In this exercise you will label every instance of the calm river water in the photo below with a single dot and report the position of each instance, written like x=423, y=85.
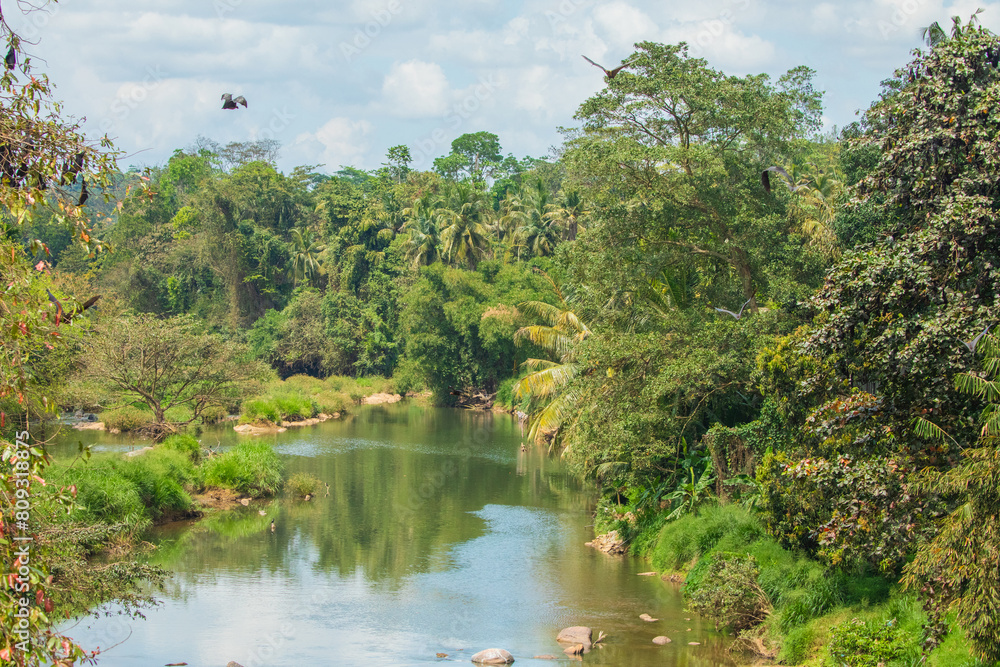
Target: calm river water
x=438, y=536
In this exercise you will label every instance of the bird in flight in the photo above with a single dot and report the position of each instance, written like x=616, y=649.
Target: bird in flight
x=62, y=315
x=230, y=103
x=735, y=315
x=11, y=60
x=610, y=73
x=971, y=344
x=765, y=180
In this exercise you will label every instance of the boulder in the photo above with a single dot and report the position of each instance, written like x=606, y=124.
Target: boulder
x=609, y=543
x=493, y=656
x=578, y=634
x=661, y=640
x=648, y=618
x=233, y=663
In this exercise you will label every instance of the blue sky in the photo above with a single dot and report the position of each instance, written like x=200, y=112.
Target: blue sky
x=338, y=83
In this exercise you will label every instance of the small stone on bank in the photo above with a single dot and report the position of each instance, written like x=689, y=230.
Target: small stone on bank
x=694, y=643
x=661, y=640
x=493, y=656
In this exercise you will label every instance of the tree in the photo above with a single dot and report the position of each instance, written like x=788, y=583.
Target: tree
x=305, y=249
x=461, y=222
x=473, y=154
x=956, y=571
x=45, y=162
x=672, y=152
x=168, y=364
x=548, y=386
x=422, y=238
x=535, y=220
x=398, y=162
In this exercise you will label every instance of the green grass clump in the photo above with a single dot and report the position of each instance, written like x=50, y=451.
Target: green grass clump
x=125, y=418
x=260, y=409
x=682, y=541
x=303, y=484
x=132, y=491
x=329, y=401
x=294, y=407
x=250, y=468
x=305, y=384
x=186, y=444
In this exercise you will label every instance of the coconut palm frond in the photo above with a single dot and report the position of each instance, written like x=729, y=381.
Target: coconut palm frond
x=545, y=383
x=539, y=364
x=547, y=312
x=990, y=419
x=550, y=339
x=552, y=416
x=569, y=321
x=928, y=429
x=973, y=384
x=610, y=470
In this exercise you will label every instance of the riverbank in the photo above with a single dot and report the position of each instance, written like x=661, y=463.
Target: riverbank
x=784, y=606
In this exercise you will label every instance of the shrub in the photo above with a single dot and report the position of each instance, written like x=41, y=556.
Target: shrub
x=858, y=643
x=305, y=384
x=126, y=418
x=303, y=484
x=213, y=414
x=249, y=468
x=729, y=593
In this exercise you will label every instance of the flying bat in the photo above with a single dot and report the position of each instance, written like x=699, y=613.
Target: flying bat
x=608, y=73
x=765, y=180
x=735, y=315
x=971, y=344
x=230, y=103
x=62, y=315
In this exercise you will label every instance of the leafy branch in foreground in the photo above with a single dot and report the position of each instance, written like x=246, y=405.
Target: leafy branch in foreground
x=956, y=571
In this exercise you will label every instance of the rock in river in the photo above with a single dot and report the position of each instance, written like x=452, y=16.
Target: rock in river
x=661, y=640
x=493, y=656
x=578, y=634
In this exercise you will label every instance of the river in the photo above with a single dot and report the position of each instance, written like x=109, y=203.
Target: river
x=438, y=536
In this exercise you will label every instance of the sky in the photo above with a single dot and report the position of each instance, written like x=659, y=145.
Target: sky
x=338, y=83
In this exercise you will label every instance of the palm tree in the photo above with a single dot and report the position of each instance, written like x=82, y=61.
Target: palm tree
x=569, y=211
x=305, y=264
x=464, y=235
x=548, y=387
x=537, y=220
x=422, y=237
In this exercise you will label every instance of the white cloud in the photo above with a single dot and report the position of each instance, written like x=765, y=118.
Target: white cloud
x=623, y=25
x=340, y=141
x=414, y=89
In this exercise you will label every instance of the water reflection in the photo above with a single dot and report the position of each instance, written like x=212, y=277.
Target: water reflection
x=439, y=535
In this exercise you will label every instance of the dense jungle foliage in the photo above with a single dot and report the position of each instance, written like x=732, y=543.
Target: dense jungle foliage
x=783, y=380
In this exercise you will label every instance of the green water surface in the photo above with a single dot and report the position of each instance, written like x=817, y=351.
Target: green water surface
x=438, y=536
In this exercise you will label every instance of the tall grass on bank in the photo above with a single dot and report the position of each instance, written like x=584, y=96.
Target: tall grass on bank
x=134, y=491
x=249, y=468
x=817, y=615
x=302, y=396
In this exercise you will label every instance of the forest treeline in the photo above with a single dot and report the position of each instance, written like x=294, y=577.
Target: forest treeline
x=690, y=325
